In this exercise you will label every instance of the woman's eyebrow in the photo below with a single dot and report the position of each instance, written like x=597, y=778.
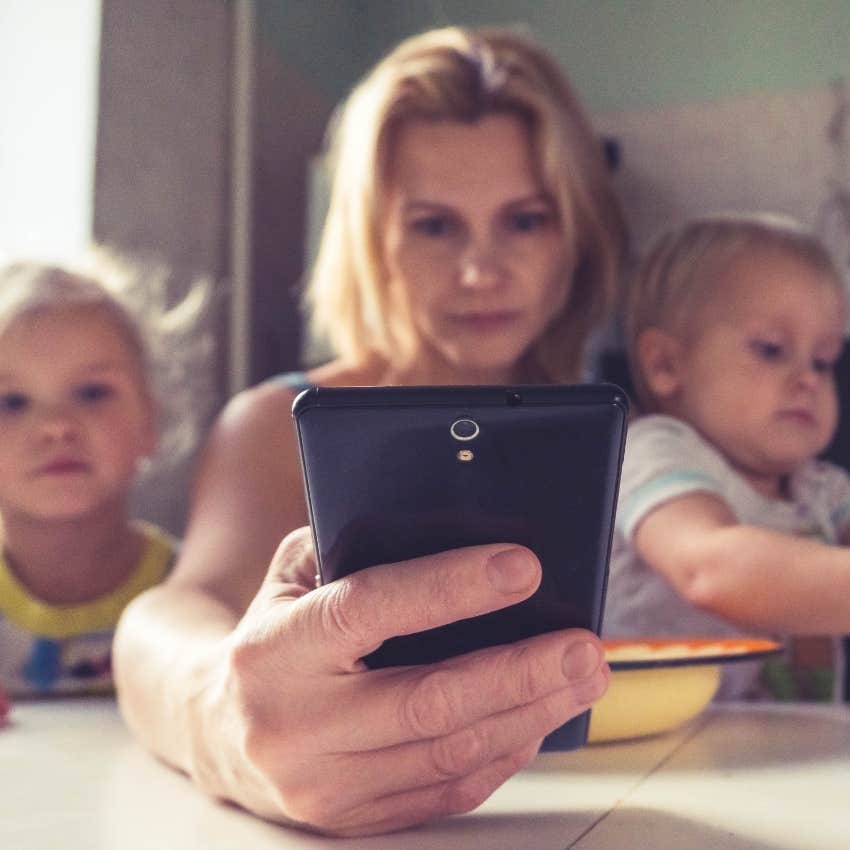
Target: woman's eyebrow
x=425, y=204
x=540, y=201
x=521, y=200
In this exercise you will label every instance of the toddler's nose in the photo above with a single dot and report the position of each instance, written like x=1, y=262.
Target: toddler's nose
x=807, y=375
x=58, y=424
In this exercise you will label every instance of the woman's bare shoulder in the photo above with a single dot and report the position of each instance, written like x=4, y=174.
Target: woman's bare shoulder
x=247, y=494
x=259, y=406
x=264, y=411
x=342, y=373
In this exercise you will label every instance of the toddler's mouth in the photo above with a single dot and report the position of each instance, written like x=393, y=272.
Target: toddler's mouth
x=799, y=415
x=63, y=466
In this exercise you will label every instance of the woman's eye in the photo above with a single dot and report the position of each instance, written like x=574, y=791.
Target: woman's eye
x=433, y=225
x=93, y=393
x=13, y=402
x=767, y=350
x=528, y=221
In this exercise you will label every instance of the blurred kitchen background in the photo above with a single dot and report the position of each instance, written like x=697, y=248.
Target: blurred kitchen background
x=192, y=129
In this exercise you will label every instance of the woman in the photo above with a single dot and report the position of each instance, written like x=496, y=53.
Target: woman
x=472, y=238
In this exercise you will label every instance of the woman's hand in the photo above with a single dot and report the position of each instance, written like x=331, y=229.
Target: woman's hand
x=295, y=728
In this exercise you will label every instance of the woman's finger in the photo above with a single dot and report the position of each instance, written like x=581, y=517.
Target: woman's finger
x=421, y=703
x=353, y=616
x=463, y=752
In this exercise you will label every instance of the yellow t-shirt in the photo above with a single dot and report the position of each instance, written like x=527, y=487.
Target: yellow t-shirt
x=66, y=649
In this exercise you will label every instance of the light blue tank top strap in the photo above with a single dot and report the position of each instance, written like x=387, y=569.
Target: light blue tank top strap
x=294, y=380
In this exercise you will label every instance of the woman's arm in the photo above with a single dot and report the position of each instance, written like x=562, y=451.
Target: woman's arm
x=753, y=576
x=246, y=496
x=267, y=703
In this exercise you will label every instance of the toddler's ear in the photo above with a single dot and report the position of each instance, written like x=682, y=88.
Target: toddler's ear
x=659, y=357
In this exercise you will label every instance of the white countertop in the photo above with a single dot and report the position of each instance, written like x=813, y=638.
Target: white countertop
x=738, y=777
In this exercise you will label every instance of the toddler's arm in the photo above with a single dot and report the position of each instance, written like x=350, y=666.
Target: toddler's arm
x=753, y=576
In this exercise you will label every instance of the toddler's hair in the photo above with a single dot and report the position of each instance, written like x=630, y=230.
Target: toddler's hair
x=680, y=270
x=172, y=341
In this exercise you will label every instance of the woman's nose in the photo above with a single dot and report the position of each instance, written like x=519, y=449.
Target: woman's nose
x=481, y=267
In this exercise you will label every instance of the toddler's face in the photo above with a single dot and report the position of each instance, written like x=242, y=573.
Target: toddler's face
x=75, y=414
x=757, y=378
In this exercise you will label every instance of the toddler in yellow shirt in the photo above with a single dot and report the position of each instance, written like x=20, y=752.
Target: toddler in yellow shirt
x=78, y=422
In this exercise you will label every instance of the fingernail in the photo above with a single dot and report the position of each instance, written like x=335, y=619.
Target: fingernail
x=581, y=660
x=512, y=570
x=588, y=691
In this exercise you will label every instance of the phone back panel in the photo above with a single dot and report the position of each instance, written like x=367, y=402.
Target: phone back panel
x=385, y=482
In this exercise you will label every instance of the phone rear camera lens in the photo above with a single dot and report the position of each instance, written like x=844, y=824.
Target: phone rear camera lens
x=514, y=399
x=464, y=429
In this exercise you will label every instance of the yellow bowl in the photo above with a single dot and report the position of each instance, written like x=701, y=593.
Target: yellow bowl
x=659, y=684
x=646, y=702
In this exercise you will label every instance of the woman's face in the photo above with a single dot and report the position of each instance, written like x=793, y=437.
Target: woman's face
x=474, y=245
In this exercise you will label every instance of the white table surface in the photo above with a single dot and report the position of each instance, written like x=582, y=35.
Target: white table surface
x=766, y=777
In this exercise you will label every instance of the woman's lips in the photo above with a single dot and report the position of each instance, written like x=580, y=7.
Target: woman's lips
x=485, y=321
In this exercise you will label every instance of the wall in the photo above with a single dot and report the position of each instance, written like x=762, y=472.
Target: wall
x=747, y=82
x=621, y=55
x=162, y=164
x=162, y=168
x=718, y=104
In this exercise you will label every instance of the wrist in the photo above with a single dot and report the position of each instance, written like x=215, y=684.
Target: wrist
x=204, y=724
x=217, y=735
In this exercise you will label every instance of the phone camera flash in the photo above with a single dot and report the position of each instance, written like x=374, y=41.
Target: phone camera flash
x=465, y=455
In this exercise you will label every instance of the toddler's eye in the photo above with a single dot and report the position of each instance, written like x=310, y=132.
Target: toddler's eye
x=13, y=402
x=93, y=393
x=823, y=365
x=767, y=350
x=433, y=225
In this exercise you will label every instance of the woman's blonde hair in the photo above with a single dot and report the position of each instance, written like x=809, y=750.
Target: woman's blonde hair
x=462, y=75
x=679, y=274
x=171, y=343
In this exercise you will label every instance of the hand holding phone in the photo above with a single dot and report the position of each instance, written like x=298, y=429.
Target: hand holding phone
x=394, y=473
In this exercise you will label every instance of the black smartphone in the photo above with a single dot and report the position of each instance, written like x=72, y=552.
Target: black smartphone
x=393, y=473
